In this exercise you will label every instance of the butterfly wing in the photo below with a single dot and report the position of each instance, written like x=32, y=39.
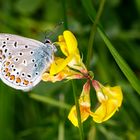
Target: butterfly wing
x=23, y=61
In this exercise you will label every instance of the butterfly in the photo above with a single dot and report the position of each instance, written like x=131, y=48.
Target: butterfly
x=24, y=60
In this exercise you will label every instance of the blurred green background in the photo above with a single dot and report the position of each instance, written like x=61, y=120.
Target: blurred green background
x=42, y=113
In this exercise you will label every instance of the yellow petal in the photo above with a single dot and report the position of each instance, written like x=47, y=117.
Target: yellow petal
x=71, y=42
x=61, y=38
x=66, y=73
x=63, y=46
x=59, y=64
x=105, y=111
x=85, y=95
x=110, y=99
x=99, y=114
x=73, y=115
x=84, y=103
x=114, y=93
x=76, y=63
x=68, y=43
x=47, y=77
x=68, y=46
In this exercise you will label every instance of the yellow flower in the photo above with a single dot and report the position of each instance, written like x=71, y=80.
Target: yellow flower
x=110, y=99
x=68, y=66
x=66, y=73
x=68, y=45
x=84, y=103
x=72, y=67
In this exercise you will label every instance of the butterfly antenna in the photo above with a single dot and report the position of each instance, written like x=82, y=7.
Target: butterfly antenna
x=51, y=32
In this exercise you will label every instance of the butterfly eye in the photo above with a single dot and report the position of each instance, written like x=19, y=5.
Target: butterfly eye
x=47, y=41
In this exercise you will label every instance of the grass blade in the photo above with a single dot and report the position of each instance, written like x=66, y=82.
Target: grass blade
x=134, y=81
x=50, y=101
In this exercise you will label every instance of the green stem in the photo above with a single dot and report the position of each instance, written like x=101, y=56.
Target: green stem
x=64, y=14
x=61, y=127
x=73, y=82
x=77, y=110
x=93, y=31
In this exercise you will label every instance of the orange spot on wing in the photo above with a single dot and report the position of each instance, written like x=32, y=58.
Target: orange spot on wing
x=0, y=52
x=18, y=80
x=9, y=57
x=12, y=77
x=8, y=74
x=6, y=69
x=25, y=82
x=7, y=63
x=3, y=56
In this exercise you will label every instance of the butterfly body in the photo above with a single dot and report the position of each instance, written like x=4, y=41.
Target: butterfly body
x=23, y=60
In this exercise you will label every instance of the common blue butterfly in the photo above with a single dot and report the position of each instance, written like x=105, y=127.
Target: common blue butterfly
x=23, y=60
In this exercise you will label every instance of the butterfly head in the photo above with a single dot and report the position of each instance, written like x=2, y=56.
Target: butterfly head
x=49, y=43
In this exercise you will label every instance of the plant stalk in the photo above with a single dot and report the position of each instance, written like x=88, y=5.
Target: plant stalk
x=93, y=32
x=77, y=110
